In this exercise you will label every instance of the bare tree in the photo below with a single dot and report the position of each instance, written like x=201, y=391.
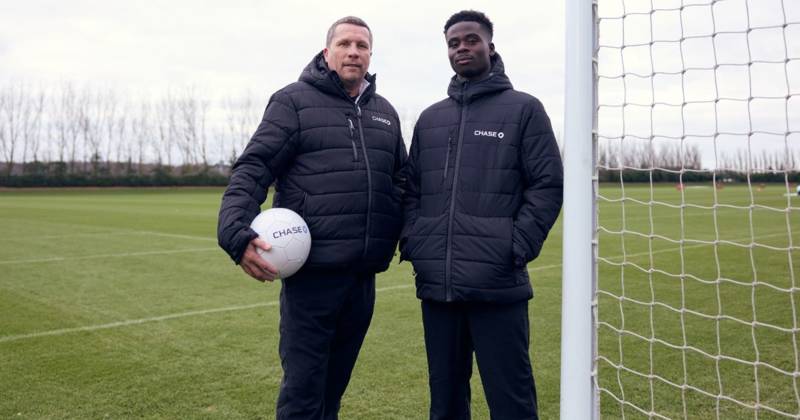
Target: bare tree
x=91, y=119
x=240, y=120
x=31, y=110
x=4, y=131
x=66, y=114
x=123, y=145
x=646, y=156
x=192, y=139
x=142, y=133
x=167, y=128
x=59, y=124
x=107, y=114
x=693, y=159
x=187, y=131
x=11, y=114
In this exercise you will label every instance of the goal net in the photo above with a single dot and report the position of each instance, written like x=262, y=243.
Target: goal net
x=698, y=230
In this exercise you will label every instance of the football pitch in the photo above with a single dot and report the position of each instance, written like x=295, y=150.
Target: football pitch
x=118, y=303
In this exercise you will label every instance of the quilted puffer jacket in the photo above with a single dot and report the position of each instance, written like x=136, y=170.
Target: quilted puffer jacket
x=483, y=188
x=334, y=160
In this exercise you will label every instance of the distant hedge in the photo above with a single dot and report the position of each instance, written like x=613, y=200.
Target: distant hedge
x=165, y=179
x=81, y=180
x=671, y=177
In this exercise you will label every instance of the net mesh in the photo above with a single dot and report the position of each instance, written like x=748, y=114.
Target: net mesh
x=698, y=122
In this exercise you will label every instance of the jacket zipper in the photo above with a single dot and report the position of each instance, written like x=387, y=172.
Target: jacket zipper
x=448, y=260
x=369, y=179
x=447, y=155
x=352, y=138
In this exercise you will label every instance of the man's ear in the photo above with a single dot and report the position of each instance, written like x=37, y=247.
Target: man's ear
x=325, y=53
x=491, y=49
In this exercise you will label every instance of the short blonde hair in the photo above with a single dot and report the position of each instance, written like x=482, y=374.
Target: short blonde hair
x=352, y=20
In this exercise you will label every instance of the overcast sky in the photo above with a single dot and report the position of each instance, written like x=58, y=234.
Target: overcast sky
x=237, y=47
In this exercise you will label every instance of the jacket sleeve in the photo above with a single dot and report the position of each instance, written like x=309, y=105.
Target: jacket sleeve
x=264, y=159
x=542, y=185
x=410, y=185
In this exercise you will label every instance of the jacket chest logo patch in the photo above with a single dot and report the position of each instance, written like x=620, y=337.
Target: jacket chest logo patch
x=484, y=133
x=383, y=120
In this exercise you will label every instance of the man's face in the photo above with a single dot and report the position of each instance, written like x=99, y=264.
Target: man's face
x=349, y=53
x=469, y=48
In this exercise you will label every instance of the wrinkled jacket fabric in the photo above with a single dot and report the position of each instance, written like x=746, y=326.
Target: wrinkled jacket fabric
x=483, y=188
x=333, y=161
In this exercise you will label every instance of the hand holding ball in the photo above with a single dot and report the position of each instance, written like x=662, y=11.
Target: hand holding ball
x=289, y=237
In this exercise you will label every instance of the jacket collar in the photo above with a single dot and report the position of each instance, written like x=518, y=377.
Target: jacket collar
x=496, y=81
x=318, y=75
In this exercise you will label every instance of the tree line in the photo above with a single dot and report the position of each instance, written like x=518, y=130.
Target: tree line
x=70, y=135
x=676, y=162
x=74, y=135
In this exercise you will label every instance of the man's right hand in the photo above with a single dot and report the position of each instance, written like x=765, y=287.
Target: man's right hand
x=255, y=266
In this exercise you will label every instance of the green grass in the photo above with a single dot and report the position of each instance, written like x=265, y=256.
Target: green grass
x=122, y=261
x=687, y=309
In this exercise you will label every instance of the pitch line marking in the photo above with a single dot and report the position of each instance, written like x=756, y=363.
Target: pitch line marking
x=175, y=235
x=88, y=328
x=95, y=256
x=122, y=232
x=256, y=305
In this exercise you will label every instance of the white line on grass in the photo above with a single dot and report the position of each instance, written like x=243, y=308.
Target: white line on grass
x=123, y=232
x=118, y=324
x=175, y=235
x=120, y=232
x=259, y=305
x=95, y=256
x=76, y=235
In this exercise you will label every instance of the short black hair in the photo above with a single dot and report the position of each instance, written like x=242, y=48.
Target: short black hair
x=470, y=16
x=352, y=20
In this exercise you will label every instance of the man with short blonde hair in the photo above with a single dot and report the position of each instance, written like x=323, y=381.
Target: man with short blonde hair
x=333, y=148
x=350, y=20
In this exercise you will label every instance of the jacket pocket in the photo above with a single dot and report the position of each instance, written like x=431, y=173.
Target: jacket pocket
x=417, y=235
x=351, y=127
x=450, y=138
x=519, y=246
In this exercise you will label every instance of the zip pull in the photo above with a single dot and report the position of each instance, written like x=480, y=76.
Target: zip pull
x=352, y=138
x=358, y=111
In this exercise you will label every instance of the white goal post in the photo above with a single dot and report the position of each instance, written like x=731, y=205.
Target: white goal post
x=578, y=395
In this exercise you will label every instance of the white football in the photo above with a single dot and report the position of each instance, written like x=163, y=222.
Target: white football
x=289, y=236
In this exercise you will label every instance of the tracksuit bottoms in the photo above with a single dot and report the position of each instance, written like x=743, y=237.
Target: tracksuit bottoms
x=324, y=318
x=499, y=336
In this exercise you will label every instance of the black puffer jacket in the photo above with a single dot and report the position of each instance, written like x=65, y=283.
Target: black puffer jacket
x=333, y=161
x=483, y=189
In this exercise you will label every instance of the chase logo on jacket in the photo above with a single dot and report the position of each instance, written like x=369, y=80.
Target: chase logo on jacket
x=383, y=120
x=485, y=133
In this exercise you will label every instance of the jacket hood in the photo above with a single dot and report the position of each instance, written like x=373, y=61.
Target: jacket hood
x=318, y=75
x=496, y=81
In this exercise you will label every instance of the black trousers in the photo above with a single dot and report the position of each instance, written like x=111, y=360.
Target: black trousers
x=324, y=318
x=499, y=336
